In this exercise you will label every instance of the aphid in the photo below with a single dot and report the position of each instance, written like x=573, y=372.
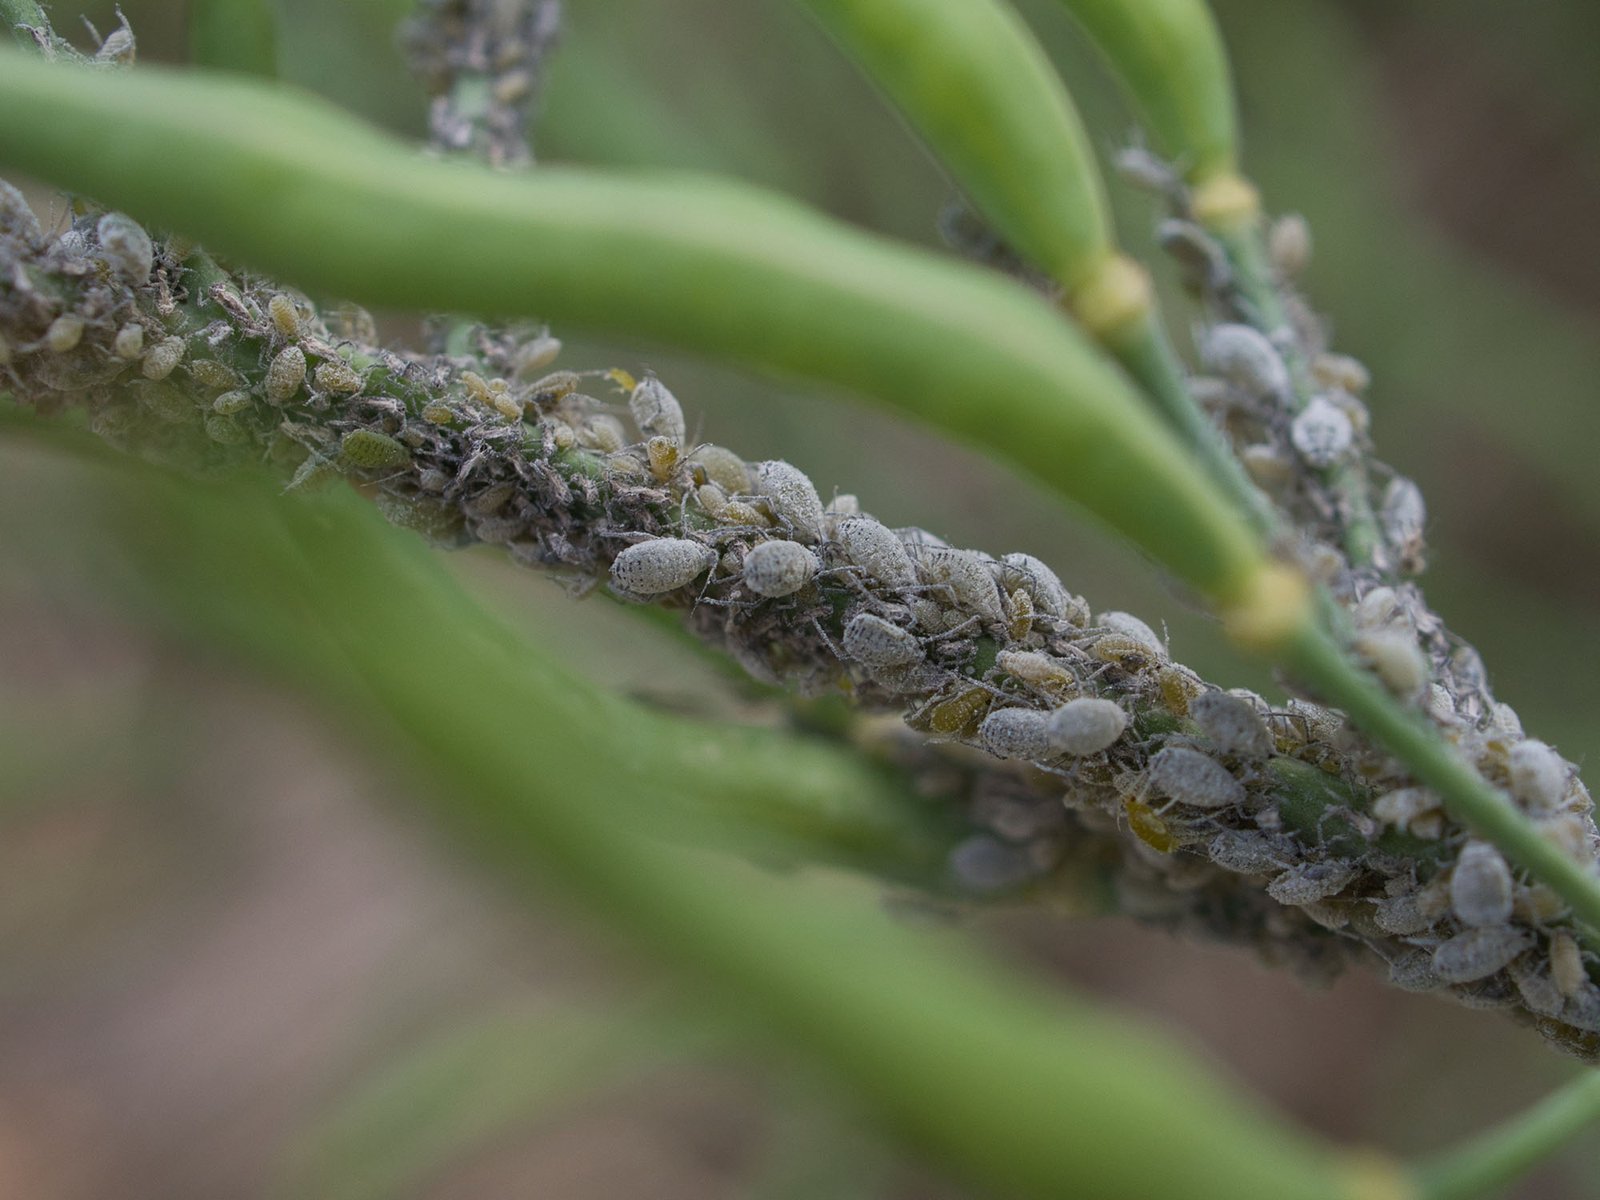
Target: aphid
x=1322, y=434
x=1192, y=778
x=1415, y=972
x=64, y=333
x=792, y=498
x=1205, y=267
x=1478, y=953
x=369, y=448
x=166, y=403
x=1032, y=667
x=1379, y=608
x=661, y=565
x=870, y=639
x=163, y=358
x=1539, y=991
x=958, y=715
x=1395, y=657
x=1289, y=244
x=967, y=576
x=492, y=393
x=535, y=355
x=723, y=467
x=1232, y=725
x=126, y=247
x=285, y=375
x=1403, y=515
x=1020, y=622
x=986, y=864
x=1480, y=886
x=1130, y=626
x=350, y=322
x=1178, y=688
x=1128, y=653
x=225, y=430
x=16, y=214
x=656, y=411
x=1144, y=170
x=1246, y=359
x=845, y=504
x=877, y=551
x=1538, y=775
x=1566, y=963
x=1250, y=852
x=778, y=568
x=208, y=372
x=437, y=412
x=337, y=376
x=285, y=315
x=1149, y=826
x=1028, y=573
x=1413, y=810
x=1308, y=883
x=663, y=455
x=119, y=46
x=1267, y=465
x=1572, y=832
x=553, y=387
x=917, y=539
x=230, y=403
x=602, y=432
x=1342, y=372
x=129, y=342
x=1087, y=725
x=1024, y=733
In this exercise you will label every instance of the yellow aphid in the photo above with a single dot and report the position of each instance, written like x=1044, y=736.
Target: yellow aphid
x=438, y=413
x=1178, y=686
x=562, y=435
x=737, y=512
x=1148, y=826
x=1021, y=622
x=622, y=379
x=1131, y=654
x=163, y=358
x=960, y=715
x=64, y=334
x=711, y=498
x=663, y=455
x=285, y=317
x=603, y=433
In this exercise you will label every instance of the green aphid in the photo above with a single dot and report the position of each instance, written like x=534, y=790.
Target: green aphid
x=369, y=448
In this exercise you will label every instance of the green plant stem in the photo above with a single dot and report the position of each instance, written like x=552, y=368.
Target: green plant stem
x=1313, y=656
x=296, y=189
x=1492, y=1160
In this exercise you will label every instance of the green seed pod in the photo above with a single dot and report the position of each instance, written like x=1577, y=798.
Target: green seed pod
x=285, y=375
x=369, y=448
x=973, y=81
x=1170, y=57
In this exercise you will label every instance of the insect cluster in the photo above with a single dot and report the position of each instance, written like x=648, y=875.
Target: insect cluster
x=1072, y=740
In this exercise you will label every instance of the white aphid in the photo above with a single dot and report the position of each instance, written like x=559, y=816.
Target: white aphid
x=661, y=565
x=1232, y=724
x=1405, y=914
x=1413, y=810
x=163, y=358
x=1087, y=725
x=1322, y=433
x=129, y=342
x=1246, y=358
x=1342, y=372
x=1031, y=666
x=1249, y=852
x=1379, y=609
x=1566, y=963
x=1042, y=585
x=870, y=639
x=1539, y=990
x=1024, y=733
x=126, y=248
x=1480, y=886
x=723, y=467
x=792, y=497
x=1414, y=972
x=1309, y=882
x=876, y=550
x=1582, y=1010
x=917, y=538
x=1395, y=658
x=64, y=333
x=1478, y=953
x=17, y=215
x=1267, y=465
x=656, y=411
x=1289, y=244
x=1403, y=514
x=1193, y=778
x=1538, y=775
x=1130, y=626
x=778, y=568
x=967, y=575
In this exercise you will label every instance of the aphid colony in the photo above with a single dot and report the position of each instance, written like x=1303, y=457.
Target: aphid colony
x=1072, y=739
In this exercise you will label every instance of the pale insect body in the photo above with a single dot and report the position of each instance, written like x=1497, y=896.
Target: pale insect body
x=285, y=315
x=163, y=358
x=1582, y=1010
x=17, y=215
x=285, y=375
x=1403, y=514
x=370, y=449
x=1342, y=372
x=64, y=333
x=1414, y=810
x=723, y=467
x=1289, y=244
x=126, y=248
x=792, y=498
x=1481, y=886
x=1231, y=724
x=662, y=565
x=1566, y=963
x=1538, y=775
x=656, y=410
x=1404, y=914
x=1478, y=953
x=1250, y=852
x=1032, y=576
x=1130, y=626
x=1194, y=779
x=1539, y=991
x=1396, y=659
x=1032, y=667
x=778, y=568
x=1322, y=434
x=337, y=376
x=1247, y=359
x=1308, y=883
x=1023, y=733
x=1415, y=972
x=870, y=639
x=876, y=550
x=1087, y=725
x=967, y=575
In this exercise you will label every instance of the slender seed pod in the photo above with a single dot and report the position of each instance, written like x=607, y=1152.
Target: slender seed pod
x=972, y=80
x=1170, y=57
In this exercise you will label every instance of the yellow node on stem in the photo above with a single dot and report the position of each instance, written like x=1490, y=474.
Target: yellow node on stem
x=1270, y=608
x=1226, y=201
x=1115, y=295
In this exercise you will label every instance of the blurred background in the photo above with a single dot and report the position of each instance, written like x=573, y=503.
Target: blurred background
x=229, y=965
